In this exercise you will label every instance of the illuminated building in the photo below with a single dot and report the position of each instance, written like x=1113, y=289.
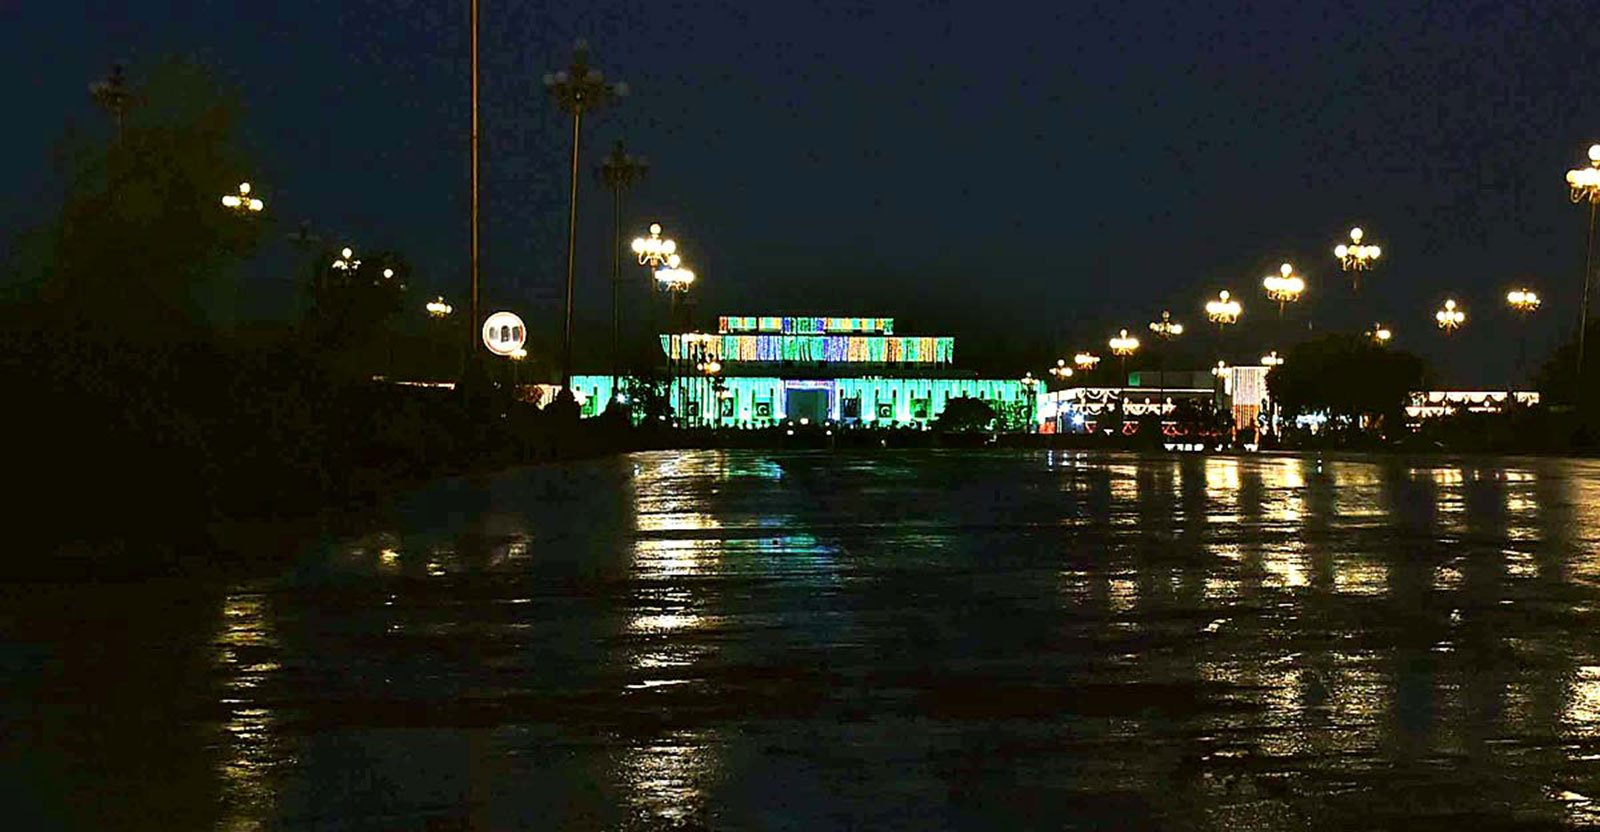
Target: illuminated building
x=851, y=371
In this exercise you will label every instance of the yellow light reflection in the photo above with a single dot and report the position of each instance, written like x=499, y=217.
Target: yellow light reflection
x=1583, y=700
x=245, y=656
x=668, y=780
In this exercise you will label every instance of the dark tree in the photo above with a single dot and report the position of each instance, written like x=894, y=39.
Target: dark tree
x=1347, y=377
x=965, y=415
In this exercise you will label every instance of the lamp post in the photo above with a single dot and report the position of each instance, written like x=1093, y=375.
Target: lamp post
x=1356, y=257
x=112, y=94
x=675, y=280
x=1271, y=359
x=1030, y=388
x=1165, y=329
x=1523, y=302
x=577, y=89
x=1284, y=287
x=1380, y=334
x=1061, y=371
x=517, y=356
x=439, y=311
x=1584, y=186
x=242, y=202
x=1085, y=362
x=707, y=365
x=619, y=171
x=1223, y=310
x=1122, y=346
x=1449, y=318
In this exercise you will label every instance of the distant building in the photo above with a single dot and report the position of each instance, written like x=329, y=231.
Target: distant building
x=773, y=370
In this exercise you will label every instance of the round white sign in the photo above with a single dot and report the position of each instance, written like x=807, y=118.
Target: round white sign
x=504, y=333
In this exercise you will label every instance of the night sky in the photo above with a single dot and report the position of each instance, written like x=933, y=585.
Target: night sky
x=1038, y=172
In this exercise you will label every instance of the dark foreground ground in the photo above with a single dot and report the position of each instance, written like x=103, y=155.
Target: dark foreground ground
x=798, y=640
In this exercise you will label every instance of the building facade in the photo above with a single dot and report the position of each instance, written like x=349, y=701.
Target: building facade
x=763, y=371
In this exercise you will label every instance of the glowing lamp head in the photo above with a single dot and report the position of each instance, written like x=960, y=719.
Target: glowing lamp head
x=1356, y=234
x=345, y=253
x=1341, y=251
x=1594, y=153
x=655, y=228
x=244, y=187
x=1286, y=270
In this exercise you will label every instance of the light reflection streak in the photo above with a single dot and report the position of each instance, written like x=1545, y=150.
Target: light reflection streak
x=245, y=655
x=669, y=779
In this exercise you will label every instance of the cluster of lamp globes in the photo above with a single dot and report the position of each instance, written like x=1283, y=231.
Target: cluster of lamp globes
x=242, y=201
x=660, y=254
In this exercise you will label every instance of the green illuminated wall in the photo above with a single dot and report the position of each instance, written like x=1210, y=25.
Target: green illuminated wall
x=761, y=401
x=834, y=349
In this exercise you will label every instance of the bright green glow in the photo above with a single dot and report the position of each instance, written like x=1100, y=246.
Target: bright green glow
x=878, y=349
x=804, y=325
x=759, y=401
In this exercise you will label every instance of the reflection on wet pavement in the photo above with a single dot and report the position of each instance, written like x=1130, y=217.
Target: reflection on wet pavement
x=799, y=640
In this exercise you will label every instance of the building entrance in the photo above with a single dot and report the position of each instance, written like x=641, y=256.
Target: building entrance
x=808, y=404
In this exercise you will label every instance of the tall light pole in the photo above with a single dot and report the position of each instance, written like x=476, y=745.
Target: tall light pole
x=618, y=171
x=675, y=280
x=1284, y=287
x=1165, y=329
x=473, y=321
x=1085, y=362
x=1356, y=257
x=1122, y=346
x=1584, y=186
x=1523, y=302
x=1223, y=311
x=112, y=94
x=439, y=310
x=577, y=89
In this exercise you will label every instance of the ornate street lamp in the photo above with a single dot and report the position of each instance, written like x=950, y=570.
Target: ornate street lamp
x=243, y=202
x=674, y=278
x=1356, y=256
x=112, y=94
x=346, y=261
x=1523, y=302
x=1165, y=329
x=577, y=89
x=654, y=250
x=1272, y=359
x=1223, y=310
x=1584, y=186
x=1061, y=371
x=1449, y=317
x=1379, y=334
x=438, y=309
x=1284, y=287
x=1086, y=361
x=618, y=171
x=1122, y=346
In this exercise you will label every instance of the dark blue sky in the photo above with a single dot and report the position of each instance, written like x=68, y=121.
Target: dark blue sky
x=1046, y=169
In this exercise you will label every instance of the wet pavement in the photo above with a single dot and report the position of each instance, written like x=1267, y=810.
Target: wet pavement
x=918, y=640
